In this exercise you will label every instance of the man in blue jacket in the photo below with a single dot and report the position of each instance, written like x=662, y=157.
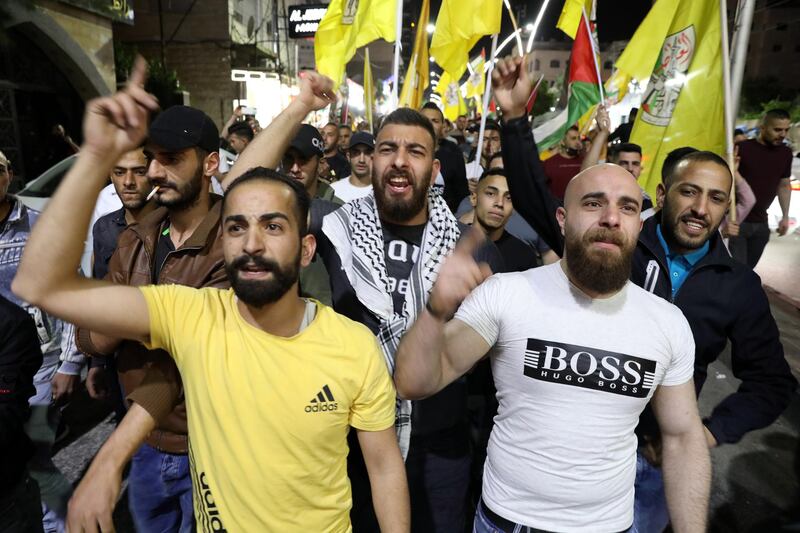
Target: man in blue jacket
x=680, y=256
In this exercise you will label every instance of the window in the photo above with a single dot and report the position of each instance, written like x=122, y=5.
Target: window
x=536, y=64
x=777, y=48
x=555, y=63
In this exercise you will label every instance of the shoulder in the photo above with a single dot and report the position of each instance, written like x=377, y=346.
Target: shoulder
x=354, y=333
x=663, y=311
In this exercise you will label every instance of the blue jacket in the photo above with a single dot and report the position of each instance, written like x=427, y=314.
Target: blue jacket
x=721, y=299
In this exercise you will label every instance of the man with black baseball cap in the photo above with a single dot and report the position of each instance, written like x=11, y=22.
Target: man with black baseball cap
x=359, y=183
x=301, y=161
x=177, y=243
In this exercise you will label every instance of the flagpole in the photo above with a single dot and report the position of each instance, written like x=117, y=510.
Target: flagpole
x=538, y=20
x=486, y=95
x=727, y=108
x=516, y=27
x=398, y=33
x=595, y=55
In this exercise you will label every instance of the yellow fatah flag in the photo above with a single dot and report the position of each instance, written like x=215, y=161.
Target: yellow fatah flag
x=571, y=15
x=453, y=103
x=459, y=25
x=417, y=76
x=348, y=25
x=369, y=89
x=476, y=84
x=683, y=104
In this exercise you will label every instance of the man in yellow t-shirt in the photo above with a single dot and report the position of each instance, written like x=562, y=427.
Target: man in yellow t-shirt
x=273, y=382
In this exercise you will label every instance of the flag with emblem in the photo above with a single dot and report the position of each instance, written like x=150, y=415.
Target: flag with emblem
x=453, y=103
x=348, y=25
x=476, y=83
x=679, y=46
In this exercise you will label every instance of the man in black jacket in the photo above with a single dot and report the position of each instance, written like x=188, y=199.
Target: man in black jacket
x=20, y=358
x=680, y=256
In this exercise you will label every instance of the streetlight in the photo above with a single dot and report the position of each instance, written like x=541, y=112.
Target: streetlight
x=430, y=28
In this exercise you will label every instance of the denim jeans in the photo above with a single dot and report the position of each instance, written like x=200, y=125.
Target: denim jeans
x=20, y=509
x=650, y=514
x=160, y=492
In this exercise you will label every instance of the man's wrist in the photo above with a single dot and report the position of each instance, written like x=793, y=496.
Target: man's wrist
x=434, y=312
x=99, y=156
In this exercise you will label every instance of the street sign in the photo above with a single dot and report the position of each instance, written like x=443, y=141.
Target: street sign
x=304, y=20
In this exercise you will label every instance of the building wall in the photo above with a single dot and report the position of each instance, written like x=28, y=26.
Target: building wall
x=774, y=48
x=92, y=32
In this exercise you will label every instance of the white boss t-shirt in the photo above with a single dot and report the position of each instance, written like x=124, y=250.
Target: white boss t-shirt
x=573, y=375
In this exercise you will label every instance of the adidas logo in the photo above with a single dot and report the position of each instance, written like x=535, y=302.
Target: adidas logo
x=323, y=401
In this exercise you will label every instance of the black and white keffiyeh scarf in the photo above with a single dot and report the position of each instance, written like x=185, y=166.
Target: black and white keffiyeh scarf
x=355, y=232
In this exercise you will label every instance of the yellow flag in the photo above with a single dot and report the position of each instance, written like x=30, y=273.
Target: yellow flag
x=476, y=84
x=348, y=25
x=369, y=89
x=453, y=103
x=459, y=25
x=571, y=15
x=683, y=104
x=417, y=75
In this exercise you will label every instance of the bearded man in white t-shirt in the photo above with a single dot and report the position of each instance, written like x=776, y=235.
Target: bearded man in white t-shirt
x=577, y=351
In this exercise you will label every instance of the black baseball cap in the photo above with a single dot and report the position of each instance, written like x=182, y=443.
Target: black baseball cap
x=308, y=141
x=362, y=137
x=180, y=127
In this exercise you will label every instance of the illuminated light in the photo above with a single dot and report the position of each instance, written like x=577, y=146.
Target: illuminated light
x=430, y=28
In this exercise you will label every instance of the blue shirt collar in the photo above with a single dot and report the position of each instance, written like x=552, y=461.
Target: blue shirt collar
x=692, y=258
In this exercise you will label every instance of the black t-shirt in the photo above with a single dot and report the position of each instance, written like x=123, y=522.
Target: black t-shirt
x=401, y=246
x=517, y=255
x=339, y=165
x=163, y=248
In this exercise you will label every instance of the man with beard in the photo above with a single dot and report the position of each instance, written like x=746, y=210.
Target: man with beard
x=130, y=182
x=681, y=258
x=566, y=163
x=178, y=243
x=562, y=455
x=302, y=375
x=766, y=165
x=382, y=253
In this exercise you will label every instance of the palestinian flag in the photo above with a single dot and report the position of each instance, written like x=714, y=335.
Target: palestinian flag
x=583, y=90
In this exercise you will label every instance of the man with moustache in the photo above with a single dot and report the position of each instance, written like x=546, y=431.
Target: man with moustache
x=302, y=374
x=680, y=257
x=766, y=164
x=131, y=184
x=562, y=454
x=178, y=243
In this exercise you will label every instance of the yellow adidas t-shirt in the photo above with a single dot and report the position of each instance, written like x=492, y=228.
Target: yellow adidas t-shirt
x=269, y=416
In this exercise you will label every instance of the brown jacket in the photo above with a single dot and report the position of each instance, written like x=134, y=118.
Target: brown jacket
x=197, y=263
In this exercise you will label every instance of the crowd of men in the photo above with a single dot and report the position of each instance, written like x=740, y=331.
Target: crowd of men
x=385, y=332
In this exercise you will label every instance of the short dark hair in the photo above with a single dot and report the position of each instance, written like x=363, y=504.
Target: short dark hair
x=776, y=114
x=672, y=159
x=431, y=105
x=573, y=127
x=495, y=171
x=335, y=125
x=696, y=156
x=405, y=116
x=738, y=131
x=345, y=126
x=242, y=129
x=615, y=149
x=302, y=201
x=491, y=125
